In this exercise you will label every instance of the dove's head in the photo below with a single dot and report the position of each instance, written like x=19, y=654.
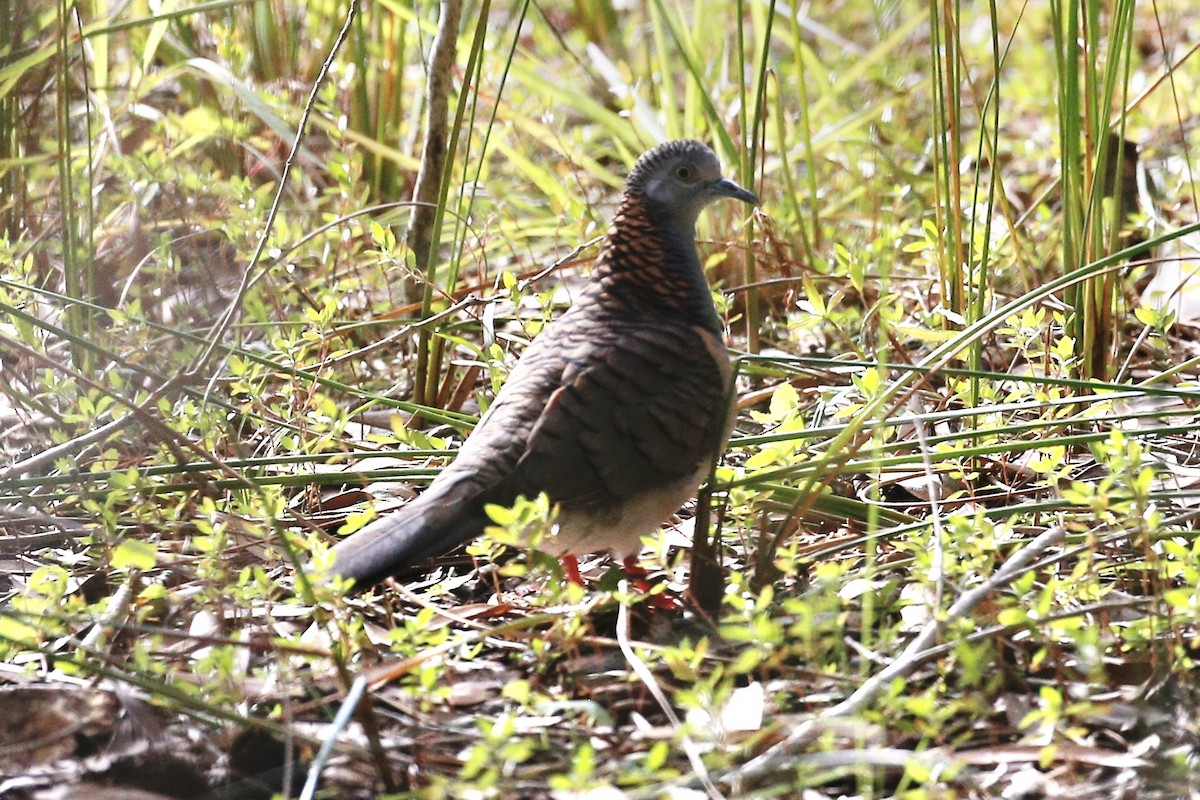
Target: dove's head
x=678, y=179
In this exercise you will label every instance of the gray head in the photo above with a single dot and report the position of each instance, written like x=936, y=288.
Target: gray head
x=678, y=179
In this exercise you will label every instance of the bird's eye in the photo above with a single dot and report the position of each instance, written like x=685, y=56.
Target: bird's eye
x=683, y=173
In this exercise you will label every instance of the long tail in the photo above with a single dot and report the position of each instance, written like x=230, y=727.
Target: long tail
x=434, y=523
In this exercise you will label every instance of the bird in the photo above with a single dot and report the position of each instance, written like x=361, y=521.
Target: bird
x=616, y=411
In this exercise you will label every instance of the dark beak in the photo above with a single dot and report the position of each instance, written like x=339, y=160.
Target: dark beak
x=727, y=188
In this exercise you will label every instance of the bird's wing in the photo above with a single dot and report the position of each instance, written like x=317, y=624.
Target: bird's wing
x=638, y=407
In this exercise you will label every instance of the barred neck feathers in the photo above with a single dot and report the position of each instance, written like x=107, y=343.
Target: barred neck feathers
x=649, y=263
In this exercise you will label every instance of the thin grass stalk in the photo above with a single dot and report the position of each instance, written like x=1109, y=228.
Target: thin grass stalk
x=87, y=240
x=752, y=127
x=465, y=119
x=668, y=103
x=98, y=50
x=979, y=260
x=1119, y=78
x=13, y=172
x=376, y=102
x=435, y=343
x=1070, y=112
x=442, y=396
x=749, y=271
x=812, y=242
x=599, y=19
x=1104, y=218
x=275, y=32
x=390, y=109
x=875, y=444
x=791, y=196
x=946, y=60
x=724, y=141
x=954, y=57
x=358, y=111
x=758, y=123
x=422, y=230
x=470, y=185
x=1092, y=315
x=1087, y=92
x=941, y=200
x=701, y=39
x=78, y=279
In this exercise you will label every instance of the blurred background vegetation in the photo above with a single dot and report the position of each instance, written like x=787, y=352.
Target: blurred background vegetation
x=965, y=336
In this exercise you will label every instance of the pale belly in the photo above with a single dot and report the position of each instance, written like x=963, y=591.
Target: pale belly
x=619, y=531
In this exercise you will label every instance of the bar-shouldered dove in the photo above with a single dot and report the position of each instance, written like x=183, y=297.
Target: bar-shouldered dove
x=616, y=411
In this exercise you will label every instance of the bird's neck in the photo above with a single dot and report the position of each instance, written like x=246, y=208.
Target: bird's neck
x=649, y=263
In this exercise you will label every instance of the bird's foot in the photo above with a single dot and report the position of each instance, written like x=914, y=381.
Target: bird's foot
x=570, y=565
x=636, y=572
x=639, y=578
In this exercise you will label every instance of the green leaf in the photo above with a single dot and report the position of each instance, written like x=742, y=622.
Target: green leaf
x=17, y=632
x=135, y=554
x=784, y=400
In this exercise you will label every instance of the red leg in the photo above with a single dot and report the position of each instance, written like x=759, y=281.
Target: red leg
x=570, y=565
x=640, y=579
x=633, y=568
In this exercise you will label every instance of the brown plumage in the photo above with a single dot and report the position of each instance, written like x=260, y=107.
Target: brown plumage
x=615, y=411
